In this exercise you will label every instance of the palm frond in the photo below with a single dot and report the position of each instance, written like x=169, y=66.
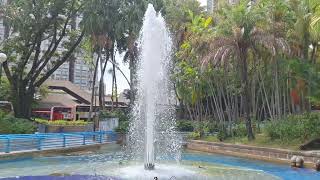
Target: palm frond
x=219, y=55
x=221, y=41
x=270, y=42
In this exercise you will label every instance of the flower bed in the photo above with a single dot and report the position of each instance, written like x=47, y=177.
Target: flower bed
x=63, y=126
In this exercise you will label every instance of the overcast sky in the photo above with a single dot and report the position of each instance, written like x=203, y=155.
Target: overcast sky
x=203, y=2
x=122, y=83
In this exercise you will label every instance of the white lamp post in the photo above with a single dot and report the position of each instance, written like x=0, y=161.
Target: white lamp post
x=3, y=58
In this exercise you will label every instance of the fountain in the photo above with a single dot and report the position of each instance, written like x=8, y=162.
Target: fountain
x=153, y=115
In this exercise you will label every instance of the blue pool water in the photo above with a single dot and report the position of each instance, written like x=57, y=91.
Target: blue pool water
x=106, y=163
x=283, y=171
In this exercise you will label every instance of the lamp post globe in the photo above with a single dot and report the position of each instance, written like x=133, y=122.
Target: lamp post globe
x=3, y=58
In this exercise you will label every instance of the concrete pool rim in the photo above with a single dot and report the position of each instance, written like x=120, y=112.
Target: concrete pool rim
x=273, y=155
x=51, y=152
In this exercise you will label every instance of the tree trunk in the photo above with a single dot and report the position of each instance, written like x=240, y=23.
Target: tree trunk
x=22, y=101
x=112, y=93
x=101, y=94
x=93, y=89
x=133, y=69
x=71, y=68
x=101, y=82
x=306, y=42
x=246, y=93
x=115, y=84
x=72, y=59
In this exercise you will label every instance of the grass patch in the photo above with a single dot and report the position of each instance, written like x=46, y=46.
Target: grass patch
x=262, y=140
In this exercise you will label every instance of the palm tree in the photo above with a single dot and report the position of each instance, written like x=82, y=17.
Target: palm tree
x=102, y=20
x=315, y=30
x=133, y=12
x=236, y=45
x=306, y=14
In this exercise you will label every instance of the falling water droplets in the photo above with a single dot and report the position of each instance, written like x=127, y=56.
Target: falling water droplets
x=152, y=130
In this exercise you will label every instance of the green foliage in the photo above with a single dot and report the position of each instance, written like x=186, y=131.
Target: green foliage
x=254, y=50
x=2, y=114
x=62, y=122
x=295, y=127
x=309, y=74
x=194, y=135
x=185, y=126
x=12, y=125
x=4, y=89
x=121, y=114
x=200, y=129
x=240, y=130
x=222, y=135
x=205, y=127
x=177, y=14
x=123, y=127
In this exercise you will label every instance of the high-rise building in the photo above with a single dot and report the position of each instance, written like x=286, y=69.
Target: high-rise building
x=213, y=4
x=2, y=29
x=2, y=23
x=82, y=73
x=233, y=2
x=76, y=69
x=210, y=5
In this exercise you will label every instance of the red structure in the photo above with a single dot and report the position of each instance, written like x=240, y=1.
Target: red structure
x=55, y=113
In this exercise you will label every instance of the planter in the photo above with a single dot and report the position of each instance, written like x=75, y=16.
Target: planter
x=108, y=124
x=43, y=128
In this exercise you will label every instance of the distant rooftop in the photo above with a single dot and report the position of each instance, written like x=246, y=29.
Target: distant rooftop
x=65, y=93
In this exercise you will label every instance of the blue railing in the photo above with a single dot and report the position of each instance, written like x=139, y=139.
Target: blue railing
x=33, y=142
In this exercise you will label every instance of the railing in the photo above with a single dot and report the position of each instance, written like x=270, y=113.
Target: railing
x=34, y=142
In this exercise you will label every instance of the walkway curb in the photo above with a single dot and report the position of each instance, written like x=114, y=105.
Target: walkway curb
x=36, y=153
x=274, y=155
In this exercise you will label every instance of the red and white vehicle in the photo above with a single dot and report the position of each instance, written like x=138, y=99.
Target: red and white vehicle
x=65, y=113
x=55, y=113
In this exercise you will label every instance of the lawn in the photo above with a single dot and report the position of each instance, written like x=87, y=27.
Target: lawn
x=261, y=140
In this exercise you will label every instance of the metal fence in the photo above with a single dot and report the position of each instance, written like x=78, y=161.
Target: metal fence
x=46, y=141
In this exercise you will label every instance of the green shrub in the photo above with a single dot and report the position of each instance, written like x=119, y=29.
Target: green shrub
x=206, y=127
x=2, y=114
x=210, y=126
x=123, y=127
x=294, y=127
x=185, y=126
x=12, y=125
x=240, y=130
x=62, y=122
x=121, y=114
x=222, y=135
x=194, y=135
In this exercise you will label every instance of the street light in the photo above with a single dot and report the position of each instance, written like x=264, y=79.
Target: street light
x=3, y=58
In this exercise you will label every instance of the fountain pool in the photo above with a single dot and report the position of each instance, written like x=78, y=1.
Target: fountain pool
x=111, y=163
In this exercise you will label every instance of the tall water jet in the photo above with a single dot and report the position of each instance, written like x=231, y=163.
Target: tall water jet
x=152, y=130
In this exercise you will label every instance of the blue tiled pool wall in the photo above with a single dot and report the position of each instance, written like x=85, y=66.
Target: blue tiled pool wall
x=283, y=171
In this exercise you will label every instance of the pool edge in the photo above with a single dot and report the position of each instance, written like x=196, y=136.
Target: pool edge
x=278, y=156
x=37, y=153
